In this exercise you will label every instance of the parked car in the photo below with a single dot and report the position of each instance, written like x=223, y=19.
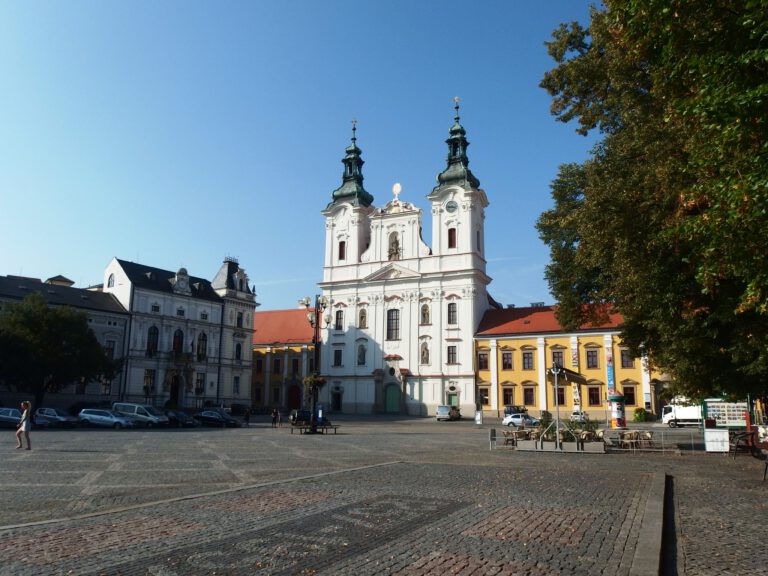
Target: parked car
x=10, y=417
x=54, y=417
x=518, y=420
x=447, y=413
x=579, y=416
x=216, y=418
x=304, y=418
x=103, y=417
x=180, y=419
x=143, y=414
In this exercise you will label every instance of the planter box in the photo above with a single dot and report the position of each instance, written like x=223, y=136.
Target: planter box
x=547, y=446
x=527, y=445
x=569, y=446
x=594, y=447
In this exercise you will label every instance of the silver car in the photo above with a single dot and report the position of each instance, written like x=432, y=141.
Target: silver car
x=54, y=417
x=518, y=420
x=103, y=417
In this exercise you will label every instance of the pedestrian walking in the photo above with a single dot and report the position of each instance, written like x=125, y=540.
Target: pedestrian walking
x=247, y=417
x=275, y=415
x=23, y=426
x=279, y=419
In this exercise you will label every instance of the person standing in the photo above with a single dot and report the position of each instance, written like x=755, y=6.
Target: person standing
x=247, y=418
x=274, y=417
x=24, y=425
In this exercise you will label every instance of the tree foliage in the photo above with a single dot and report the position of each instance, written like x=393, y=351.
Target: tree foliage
x=666, y=221
x=43, y=349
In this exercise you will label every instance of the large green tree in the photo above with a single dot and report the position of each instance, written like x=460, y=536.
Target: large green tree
x=666, y=221
x=44, y=348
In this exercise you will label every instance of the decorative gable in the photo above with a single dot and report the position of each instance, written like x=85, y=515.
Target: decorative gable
x=391, y=272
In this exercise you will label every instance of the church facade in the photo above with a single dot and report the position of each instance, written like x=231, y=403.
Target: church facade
x=398, y=333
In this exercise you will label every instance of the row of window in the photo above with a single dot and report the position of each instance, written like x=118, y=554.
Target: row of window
x=150, y=379
x=394, y=251
x=393, y=319
x=593, y=359
x=594, y=396
x=177, y=347
x=277, y=365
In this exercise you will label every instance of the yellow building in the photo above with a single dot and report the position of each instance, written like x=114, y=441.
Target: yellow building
x=515, y=349
x=283, y=354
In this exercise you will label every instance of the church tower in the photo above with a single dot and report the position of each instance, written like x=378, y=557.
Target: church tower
x=398, y=332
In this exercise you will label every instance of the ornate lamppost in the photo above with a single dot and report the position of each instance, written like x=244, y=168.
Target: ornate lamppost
x=314, y=382
x=556, y=370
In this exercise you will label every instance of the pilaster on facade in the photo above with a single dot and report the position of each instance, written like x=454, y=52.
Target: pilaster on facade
x=541, y=368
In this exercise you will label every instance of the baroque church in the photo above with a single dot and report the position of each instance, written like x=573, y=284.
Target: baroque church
x=402, y=314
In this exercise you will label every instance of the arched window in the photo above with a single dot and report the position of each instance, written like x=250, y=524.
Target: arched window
x=394, y=247
x=342, y=250
x=111, y=281
x=238, y=351
x=451, y=237
x=425, y=314
x=361, y=350
x=362, y=321
x=178, y=341
x=339, y=325
x=153, y=335
x=424, y=353
x=202, y=346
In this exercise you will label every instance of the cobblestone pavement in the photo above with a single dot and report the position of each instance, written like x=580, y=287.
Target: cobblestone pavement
x=403, y=497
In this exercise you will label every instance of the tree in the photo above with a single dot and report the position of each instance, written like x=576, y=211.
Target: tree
x=665, y=222
x=43, y=349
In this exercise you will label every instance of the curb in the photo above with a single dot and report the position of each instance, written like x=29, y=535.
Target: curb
x=647, y=558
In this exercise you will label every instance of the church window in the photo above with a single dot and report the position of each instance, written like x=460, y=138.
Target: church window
x=238, y=351
x=361, y=355
x=236, y=385
x=451, y=237
x=393, y=324
x=239, y=319
x=452, y=355
x=452, y=315
x=342, y=250
x=339, y=325
x=425, y=314
x=337, y=357
x=362, y=321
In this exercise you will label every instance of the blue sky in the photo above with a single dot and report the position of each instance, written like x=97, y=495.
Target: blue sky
x=176, y=133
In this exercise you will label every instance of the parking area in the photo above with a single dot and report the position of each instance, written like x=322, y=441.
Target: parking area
x=383, y=496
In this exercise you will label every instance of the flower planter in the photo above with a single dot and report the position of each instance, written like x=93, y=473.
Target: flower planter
x=594, y=447
x=527, y=445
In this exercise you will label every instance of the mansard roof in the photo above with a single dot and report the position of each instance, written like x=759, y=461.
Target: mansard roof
x=19, y=287
x=159, y=280
x=275, y=327
x=533, y=320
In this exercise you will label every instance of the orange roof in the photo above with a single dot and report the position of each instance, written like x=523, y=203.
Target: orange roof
x=532, y=320
x=281, y=327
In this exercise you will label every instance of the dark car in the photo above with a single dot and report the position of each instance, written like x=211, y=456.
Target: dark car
x=54, y=418
x=10, y=417
x=180, y=419
x=216, y=418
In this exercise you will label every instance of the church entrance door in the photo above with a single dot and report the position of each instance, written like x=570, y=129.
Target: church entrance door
x=392, y=399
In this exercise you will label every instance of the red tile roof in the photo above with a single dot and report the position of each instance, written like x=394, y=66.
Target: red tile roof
x=532, y=320
x=281, y=327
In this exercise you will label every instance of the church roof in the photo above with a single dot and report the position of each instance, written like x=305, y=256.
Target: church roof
x=19, y=287
x=532, y=320
x=272, y=327
x=159, y=280
x=351, y=189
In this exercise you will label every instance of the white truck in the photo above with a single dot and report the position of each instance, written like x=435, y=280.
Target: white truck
x=681, y=414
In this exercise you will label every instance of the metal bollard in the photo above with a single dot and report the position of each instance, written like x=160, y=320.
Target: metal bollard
x=492, y=438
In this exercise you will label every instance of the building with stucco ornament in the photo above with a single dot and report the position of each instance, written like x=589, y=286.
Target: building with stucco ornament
x=398, y=332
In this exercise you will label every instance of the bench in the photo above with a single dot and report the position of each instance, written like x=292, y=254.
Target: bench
x=321, y=428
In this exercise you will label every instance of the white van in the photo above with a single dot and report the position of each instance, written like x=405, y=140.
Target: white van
x=144, y=414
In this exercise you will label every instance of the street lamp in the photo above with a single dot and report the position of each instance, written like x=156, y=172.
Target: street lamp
x=556, y=370
x=315, y=318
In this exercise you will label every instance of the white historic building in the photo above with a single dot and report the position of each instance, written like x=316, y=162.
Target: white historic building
x=398, y=331
x=189, y=340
